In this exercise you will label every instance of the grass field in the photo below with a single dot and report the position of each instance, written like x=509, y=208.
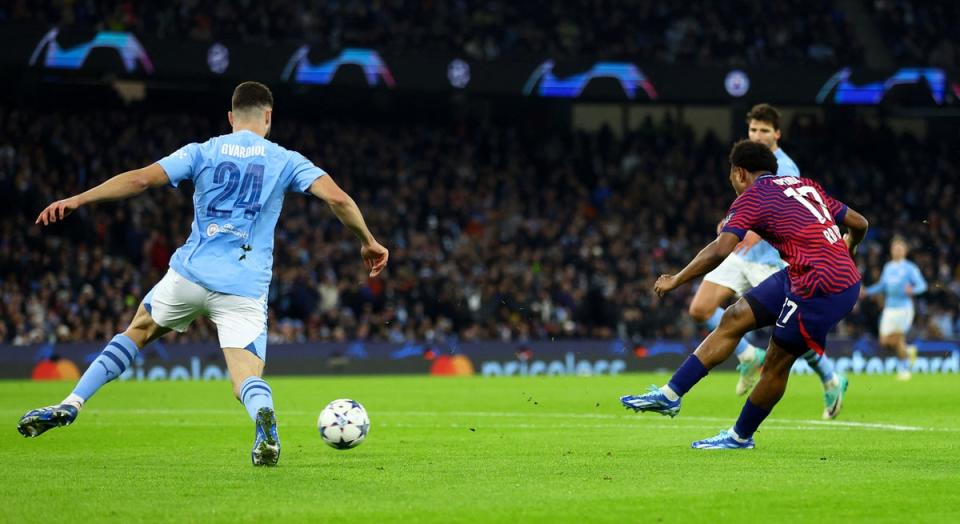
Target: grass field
x=486, y=450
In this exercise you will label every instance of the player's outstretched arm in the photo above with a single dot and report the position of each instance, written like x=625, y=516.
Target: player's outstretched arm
x=877, y=286
x=122, y=186
x=373, y=254
x=706, y=260
x=857, y=225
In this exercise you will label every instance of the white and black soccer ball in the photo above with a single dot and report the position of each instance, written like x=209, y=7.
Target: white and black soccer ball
x=343, y=424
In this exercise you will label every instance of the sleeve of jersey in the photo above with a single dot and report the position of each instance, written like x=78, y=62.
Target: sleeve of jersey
x=879, y=285
x=874, y=289
x=743, y=214
x=919, y=283
x=180, y=165
x=303, y=173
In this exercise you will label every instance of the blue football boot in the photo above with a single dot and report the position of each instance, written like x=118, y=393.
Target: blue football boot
x=37, y=421
x=725, y=440
x=266, y=447
x=653, y=400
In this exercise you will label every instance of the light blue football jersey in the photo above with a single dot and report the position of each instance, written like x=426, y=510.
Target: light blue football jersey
x=763, y=252
x=239, y=183
x=893, y=283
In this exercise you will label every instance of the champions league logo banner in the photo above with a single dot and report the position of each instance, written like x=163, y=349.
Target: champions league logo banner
x=300, y=70
x=843, y=90
x=160, y=361
x=58, y=54
x=126, y=45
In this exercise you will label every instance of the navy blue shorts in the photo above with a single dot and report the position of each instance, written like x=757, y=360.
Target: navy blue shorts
x=799, y=324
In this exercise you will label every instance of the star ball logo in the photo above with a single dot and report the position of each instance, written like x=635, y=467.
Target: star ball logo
x=212, y=229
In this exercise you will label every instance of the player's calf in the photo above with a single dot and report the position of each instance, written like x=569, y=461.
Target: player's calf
x=749, y=371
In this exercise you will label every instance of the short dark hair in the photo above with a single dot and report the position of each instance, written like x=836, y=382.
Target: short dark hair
x=765, y=113
x=753, y=156
x=250, y=95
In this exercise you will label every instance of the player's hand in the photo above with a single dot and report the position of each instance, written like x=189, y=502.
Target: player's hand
x=374, y=257
x=852, y=249
x=665, y=284
x=58, y=211
x=751, y=239
x=908, y=289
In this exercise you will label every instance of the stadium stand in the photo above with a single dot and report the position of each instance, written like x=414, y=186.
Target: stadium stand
x=480, y=250
x=792, y=31
x=920, y=32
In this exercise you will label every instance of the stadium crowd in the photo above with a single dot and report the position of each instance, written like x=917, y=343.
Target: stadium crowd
x=701, y=31
x=920, y=31
x=496, y=232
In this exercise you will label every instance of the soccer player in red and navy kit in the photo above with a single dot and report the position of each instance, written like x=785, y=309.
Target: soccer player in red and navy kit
x=802, y=302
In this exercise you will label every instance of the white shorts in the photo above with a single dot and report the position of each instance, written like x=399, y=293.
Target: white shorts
x=241, y=321
x=739, y=275
x=896, y=320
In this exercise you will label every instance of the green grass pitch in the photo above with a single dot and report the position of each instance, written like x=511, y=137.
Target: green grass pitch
x=545, y=449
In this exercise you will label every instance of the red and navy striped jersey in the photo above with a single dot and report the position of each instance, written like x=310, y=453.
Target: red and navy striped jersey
x=800, y=220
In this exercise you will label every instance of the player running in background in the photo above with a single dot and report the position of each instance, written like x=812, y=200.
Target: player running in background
x=224, y=269
x=899, y=282
x=750, y=264
x=802, y=302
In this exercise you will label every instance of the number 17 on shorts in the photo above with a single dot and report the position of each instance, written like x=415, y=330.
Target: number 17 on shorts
x=788, y=310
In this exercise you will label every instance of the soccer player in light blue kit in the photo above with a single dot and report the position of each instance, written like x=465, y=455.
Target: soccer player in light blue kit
x=753, y=262
x=224, y=269
x=899, y=282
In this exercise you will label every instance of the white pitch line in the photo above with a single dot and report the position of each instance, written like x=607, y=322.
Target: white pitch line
x=565, y=426
x=832, y=424
x=773, y=423
x=240, y=421
x=627, y=419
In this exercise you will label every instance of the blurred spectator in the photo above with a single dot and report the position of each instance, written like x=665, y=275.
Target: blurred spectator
x=495, y=233
x=701, y=31
x=921, y=31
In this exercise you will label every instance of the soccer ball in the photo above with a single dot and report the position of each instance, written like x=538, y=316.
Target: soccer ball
x=343, y=424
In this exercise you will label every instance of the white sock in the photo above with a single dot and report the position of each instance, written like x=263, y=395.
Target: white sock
x=74, y=400
x=669, y=393
x=748, y=354
x=736, y=437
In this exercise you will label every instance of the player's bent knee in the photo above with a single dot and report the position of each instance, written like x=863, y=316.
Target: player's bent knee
x=738, y=318
x=700, y=312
